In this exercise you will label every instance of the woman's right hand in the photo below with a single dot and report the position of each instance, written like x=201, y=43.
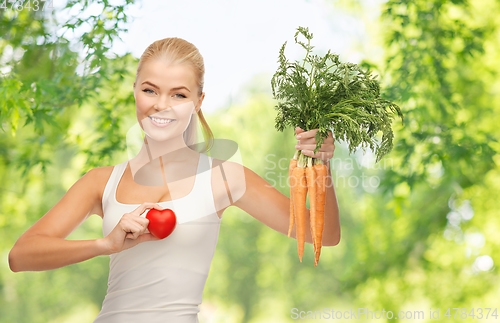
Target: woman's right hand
x=130, y=231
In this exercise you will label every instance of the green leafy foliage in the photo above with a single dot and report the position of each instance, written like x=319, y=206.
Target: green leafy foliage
x=332, y=95
x=57, y=122
x=41, y=84
x=402, y=246
x=438, y=67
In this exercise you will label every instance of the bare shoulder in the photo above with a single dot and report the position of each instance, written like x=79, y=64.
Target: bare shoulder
x=63, y=218
x=235, y=175
x=254, y=192
x=97, y=179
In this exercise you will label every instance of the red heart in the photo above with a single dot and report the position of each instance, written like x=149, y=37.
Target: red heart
x=161, y=222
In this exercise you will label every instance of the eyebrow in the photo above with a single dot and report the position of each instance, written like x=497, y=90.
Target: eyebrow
x=175, y=88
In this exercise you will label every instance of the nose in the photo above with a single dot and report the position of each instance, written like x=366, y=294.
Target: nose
x=161, y=109
x=163, y=104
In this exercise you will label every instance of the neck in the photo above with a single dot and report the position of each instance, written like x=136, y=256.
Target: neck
x=174, y=149
x=160, y=152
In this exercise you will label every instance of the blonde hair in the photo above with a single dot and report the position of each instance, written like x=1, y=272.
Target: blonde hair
x=175, y=51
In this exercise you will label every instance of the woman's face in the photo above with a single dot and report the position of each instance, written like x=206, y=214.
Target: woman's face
x=166, y=98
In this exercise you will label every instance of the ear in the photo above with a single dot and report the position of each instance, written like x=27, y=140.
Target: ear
x=134, y=89
x=200, y=102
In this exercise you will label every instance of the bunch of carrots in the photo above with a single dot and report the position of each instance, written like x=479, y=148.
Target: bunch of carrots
x=332, y=96
x=305, y=177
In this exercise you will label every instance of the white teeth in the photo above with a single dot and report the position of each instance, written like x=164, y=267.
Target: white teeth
x=162, y=120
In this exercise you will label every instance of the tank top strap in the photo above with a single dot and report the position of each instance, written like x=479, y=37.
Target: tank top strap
x=202, y=174
x=202, y=192
x=113, y=182
x=205, y=166
x=202, y=186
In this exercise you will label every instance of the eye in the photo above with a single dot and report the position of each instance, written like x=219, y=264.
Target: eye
x=146, y=90
x=182, y=95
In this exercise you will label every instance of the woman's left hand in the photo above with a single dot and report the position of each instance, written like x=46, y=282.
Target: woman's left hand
x=307, y=143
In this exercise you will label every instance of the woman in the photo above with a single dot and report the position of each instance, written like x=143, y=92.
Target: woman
x=150, y=279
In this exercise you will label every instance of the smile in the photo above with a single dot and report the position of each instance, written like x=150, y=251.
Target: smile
x=161, y=122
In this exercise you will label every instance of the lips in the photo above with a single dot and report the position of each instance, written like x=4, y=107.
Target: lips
x=158, y=118
x=159, y=123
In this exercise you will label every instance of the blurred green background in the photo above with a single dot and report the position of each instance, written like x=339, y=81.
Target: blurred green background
x=420, y=229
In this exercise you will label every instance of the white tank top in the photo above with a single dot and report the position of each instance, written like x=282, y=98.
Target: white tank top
x=162, y=280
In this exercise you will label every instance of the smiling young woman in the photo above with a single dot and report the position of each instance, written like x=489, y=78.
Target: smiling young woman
x=153, y=280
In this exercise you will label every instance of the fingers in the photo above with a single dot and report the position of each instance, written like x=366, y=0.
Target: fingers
x=307, y=149
x=326, y=147
x=298, y=130
x=133, y=225
x=325, y=152
x=325, y=156
x=307, y=143
x=310, y=135
x=305, y=134
x=146, y=206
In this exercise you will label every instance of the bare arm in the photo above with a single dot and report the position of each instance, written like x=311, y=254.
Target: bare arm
x=44, y=247
x=271, y=207
x=39, y=252
x=332, y=220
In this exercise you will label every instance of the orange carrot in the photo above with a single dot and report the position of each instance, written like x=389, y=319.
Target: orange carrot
x=311, y=186
x=293, y=164
x=300, y=196
x=321, y=171
x=314, y=243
